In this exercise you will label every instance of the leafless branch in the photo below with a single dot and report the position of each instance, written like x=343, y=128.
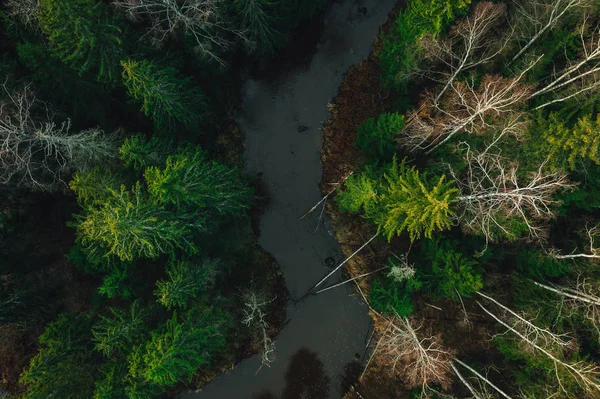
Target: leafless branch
x=492, y=194
x=201, y=19
x=255, y=318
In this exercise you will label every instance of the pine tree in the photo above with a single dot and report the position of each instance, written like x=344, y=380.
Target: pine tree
x=360, y=193
x=190, y=180
x=259, y=18
x=94, y=185
x=65, y=365
x=376, y=137
x=401, y=51
x=118, y=332
x=582, y=141
x=129, y=225
x=447, y=272
x=83, y=35
x=165, y=96
x=185, y=279
x=177, y=350
x=411, y=202
x=137, y=152
x=401, y=200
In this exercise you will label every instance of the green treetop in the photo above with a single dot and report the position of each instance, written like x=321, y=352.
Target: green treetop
x=402, y=200
x=189, y=179
x=177, y=350
x=186, y=278
x=64, y=366
x=165, y=96
x=83, y=35
x=582, y=141
x=129, y=225
x=120, y=330
x=414, y=203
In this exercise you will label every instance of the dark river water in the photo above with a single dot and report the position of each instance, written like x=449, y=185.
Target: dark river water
x=326, y=334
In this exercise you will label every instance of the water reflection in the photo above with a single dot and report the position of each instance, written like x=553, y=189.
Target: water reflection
x=305, y=378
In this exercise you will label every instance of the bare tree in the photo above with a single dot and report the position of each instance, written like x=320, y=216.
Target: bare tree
x=26, y=11
x=536, y=17
x=468, y=45
x=255, y=314
x=420, y=362
x=593, y=253
x=581, y=298
x=202, y=19
x=469, y=107
x=549, y=344
x=36, y=152
x=579, y=76
x=482, y=381
x=492, y=194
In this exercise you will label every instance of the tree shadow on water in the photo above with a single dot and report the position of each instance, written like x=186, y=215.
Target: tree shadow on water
x=305, y=378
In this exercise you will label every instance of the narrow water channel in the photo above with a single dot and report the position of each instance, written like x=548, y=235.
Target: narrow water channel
x=282, y=120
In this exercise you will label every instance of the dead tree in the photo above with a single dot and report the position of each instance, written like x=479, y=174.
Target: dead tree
x=37, y=152
x=579, y=76
x=466, y=108
x=580, y=298
x=545, y=342
x=482, y=381
x=514, y=126
x=201, y=19
x=492, y=193
x=536, y=17
x=593, y=252
x=468, y=45
x=255, y=315
x=26, y=11
x=420, y=362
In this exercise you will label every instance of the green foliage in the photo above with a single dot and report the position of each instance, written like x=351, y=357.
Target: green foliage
x=401, y=200
x=111, y=384
x=117, y=282
x=189, y=179
x=83, y=35
x=185, y=279
x=570, y=145
x=166, y=97
x=401, y=51
x=65, y=365
x=411, y=202
x=375, y=137
x=127, y=224
x=117, y=332
x=94, y=185
x=137, y=152
x=258, y=19
x=391, y=297
x=83, y=98
x=536, y=264
x=446, y=272
x=360, y=193
x=534, y=373
x=178, y=349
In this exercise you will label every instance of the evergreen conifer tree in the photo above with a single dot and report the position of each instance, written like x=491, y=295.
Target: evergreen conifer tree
x=165, y=96
x=83, y=34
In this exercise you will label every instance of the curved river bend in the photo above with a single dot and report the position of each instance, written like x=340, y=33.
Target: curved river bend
x=326, y=332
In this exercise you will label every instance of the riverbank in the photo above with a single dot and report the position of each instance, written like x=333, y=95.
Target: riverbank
x=360, y=97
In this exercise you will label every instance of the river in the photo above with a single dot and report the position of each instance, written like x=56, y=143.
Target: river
x=326, y=334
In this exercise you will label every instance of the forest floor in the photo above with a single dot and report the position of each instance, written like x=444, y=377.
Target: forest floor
x=360, y=97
